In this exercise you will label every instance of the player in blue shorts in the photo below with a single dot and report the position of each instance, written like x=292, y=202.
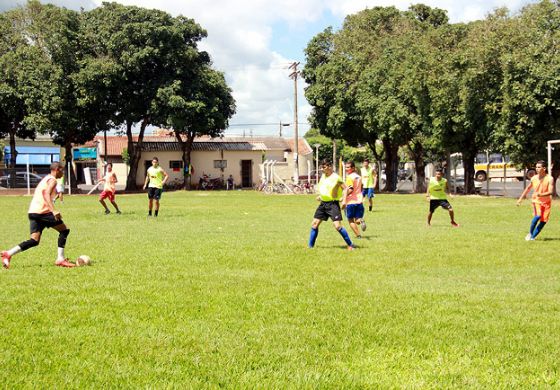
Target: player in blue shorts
x=353, y=198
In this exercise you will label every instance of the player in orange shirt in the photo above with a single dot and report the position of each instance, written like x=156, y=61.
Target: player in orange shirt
x=43, y=215
x=542, y=186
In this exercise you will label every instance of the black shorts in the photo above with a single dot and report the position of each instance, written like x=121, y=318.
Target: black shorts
x=154, y=193
x=38, y=222
x=328, y=210
x=435, y=203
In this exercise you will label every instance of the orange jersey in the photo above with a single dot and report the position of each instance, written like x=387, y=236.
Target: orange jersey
x=39, y=203
x=354, y=181
x=110, y=181
x=539, y=186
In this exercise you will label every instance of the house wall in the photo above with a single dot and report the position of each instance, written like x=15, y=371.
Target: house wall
x=203, y=163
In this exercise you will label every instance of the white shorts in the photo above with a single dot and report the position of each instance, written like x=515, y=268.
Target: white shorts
x=59, y=188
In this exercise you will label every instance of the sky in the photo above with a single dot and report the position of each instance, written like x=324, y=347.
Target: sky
x=254, y=41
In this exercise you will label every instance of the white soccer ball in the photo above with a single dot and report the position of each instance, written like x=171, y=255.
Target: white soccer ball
x=83, y=260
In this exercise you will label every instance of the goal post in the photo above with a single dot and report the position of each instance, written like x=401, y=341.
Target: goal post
x=549, y=149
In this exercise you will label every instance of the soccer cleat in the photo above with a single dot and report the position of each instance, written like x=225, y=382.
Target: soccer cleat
x=351, y=247
x=6, y=259
x=370, y=208
x=455, y=224
x=64, y=263
x=107, y=212
x=363, y=225
x=529, y=237
x=119, y=212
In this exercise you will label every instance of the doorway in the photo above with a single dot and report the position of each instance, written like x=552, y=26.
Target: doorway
x=246, y=173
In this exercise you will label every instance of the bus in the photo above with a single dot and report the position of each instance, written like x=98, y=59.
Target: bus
x=496, y=165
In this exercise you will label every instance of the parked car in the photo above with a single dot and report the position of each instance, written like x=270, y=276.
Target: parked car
x=20, y=180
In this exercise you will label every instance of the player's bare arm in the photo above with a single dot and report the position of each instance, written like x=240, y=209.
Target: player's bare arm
x=47, y=196
x=165, y=177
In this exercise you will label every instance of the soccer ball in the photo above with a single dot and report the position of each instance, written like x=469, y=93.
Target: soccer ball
x=83, y=260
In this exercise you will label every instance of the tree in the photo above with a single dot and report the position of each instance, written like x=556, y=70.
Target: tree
x=530, y=114
x=198, y=103
x=137, y=52
x=367, y=82
x=27, y=78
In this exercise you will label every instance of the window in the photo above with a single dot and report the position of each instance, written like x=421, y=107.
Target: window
x=176, y=164
x=220, y=164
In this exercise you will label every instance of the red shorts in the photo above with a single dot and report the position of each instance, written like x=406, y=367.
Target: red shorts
x=542, y=210
x=107, y=194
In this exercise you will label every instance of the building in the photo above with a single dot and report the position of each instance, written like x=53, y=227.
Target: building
x=241, y=157
x=38, y=153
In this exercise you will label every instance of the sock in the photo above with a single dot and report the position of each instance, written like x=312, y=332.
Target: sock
x=15, y=250
x=60, y=254
x=62, y=238
x=345, y=235
x=534, y=223
x=28, y=244
x=157, y=211
x=313, y=237
x=538, y=229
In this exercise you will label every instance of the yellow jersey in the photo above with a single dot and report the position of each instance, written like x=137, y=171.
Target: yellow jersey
x=327, y=185
x=437, y=188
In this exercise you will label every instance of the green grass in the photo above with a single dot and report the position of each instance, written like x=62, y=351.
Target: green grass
x=221, y=291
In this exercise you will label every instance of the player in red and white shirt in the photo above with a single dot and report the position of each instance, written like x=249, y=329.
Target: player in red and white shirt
x=110, y=179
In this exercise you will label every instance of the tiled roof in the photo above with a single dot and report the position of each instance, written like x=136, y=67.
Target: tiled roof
x=202, y=146
x=116, y=144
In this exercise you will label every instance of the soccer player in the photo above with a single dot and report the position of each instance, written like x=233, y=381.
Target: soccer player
x=353, y=199
x=156, y=177
x=542, y=186
x=437, y=195
x=330, y=192
x=110, y=179
x=369, y=181
x=59, y=189
x=43, y=215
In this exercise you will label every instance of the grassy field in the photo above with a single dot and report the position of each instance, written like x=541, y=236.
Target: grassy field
x=221, y=291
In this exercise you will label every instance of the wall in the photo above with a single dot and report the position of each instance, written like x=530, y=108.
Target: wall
x=203, y=163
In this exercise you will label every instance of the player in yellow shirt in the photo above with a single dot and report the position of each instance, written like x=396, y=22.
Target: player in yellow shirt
x=43, y=215
x=330, y=193
x=543, y=187
x=156, y=177
x=437, y=195
x=369, y=181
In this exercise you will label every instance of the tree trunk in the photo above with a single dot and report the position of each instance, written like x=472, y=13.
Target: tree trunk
x=391, y=165
x=68, y=158
x=419, y=167
x=468, y=164
x=135, y=152
x=186, y=148
x=13, y=151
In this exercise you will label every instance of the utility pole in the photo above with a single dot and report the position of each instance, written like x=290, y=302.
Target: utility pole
x=334, y=166
x=294, y=76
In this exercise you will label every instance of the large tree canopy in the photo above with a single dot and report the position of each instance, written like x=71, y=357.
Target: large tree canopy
x=409, y=78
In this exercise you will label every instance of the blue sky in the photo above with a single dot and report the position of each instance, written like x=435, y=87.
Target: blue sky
x=254, y=41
